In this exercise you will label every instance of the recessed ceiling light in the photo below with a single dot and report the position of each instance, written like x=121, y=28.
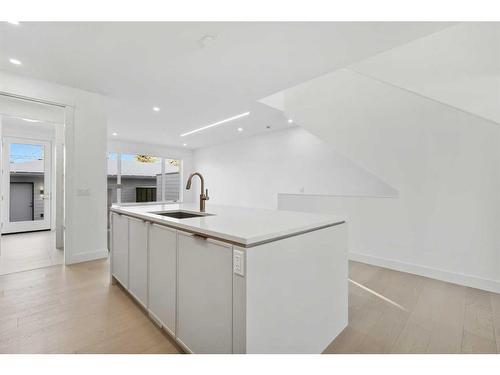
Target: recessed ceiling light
x=114, y=134
x=184, y=144
x=156, y=109
x=13, y=22
x=15, y=61
x=240, y=129
x=216, y=123
x=290, y=120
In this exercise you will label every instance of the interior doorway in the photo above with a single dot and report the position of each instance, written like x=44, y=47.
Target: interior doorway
x=32, y=185
x=27, y=182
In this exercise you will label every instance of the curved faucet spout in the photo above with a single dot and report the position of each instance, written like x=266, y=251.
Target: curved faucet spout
x=204, y=193
x=188, y=185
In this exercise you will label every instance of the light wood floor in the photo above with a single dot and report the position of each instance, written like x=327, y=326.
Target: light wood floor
x=73, y=310
x=29, y=251
x=395, y=312
x=76, y=310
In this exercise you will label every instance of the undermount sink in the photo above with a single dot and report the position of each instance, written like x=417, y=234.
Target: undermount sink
x=181, y=214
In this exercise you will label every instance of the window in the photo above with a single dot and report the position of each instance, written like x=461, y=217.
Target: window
x=172, y=179
x=140, y=171
x=142, y=178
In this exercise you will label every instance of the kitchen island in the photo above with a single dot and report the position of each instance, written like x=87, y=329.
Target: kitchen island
x=232, y=279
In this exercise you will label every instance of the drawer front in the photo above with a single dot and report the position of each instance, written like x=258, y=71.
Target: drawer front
x=162, y=274
x=138, y=260
x=120, y=248
x=204, y=301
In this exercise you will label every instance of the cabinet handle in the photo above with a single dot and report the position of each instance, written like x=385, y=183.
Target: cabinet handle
x=199, y=236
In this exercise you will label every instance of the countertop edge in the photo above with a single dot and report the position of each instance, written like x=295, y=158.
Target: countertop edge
x=234, y=240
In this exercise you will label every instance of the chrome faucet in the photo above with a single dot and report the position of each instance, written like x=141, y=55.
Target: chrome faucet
x=204, y=193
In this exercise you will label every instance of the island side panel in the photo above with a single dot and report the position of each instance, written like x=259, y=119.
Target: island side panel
x=296, y=292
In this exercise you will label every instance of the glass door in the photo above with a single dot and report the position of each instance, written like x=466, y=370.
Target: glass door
x=26, y=185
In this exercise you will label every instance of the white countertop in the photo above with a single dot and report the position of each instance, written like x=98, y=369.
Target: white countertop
x=243, y=226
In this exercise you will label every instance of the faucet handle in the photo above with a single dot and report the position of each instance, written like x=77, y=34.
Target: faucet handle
x=206, y=195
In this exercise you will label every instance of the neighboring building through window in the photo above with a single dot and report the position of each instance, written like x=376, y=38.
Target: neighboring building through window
x=140, y=171
x=142, y=178
x=145, y=194
x=172, y=179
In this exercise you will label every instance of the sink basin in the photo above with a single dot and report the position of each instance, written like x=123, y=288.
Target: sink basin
x=181, y=214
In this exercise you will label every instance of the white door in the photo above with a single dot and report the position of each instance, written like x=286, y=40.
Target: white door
x=26, y=187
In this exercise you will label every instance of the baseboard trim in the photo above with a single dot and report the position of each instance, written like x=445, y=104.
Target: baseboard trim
x=433, y=273
x=88, y=256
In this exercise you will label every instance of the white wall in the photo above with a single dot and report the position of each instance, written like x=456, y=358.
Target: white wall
x=85, y=144
x=252, y=171
x=183, y=154
x=438, y=212
x=444, y=163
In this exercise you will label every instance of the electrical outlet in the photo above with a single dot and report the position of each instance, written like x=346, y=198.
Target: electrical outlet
x=239, y=262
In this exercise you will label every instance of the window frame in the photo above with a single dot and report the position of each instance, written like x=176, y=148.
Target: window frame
x=163, y=179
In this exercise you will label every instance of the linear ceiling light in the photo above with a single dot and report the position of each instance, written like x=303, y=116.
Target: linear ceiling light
x=216, y=124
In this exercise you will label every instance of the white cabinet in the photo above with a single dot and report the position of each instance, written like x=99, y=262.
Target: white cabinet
x=204, y=294
x=162, y=275
x=119, y=251
x=284, y=296
x=183, y=280
x=138, y=260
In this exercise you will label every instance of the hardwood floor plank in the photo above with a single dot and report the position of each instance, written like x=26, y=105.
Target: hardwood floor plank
x=475, y=344
x=348, y=342
x=495, y=307
x=478, y=318
x=445, y=339
x=386, y=330
x=414, y=338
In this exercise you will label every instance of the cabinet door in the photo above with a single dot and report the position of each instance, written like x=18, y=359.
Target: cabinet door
x=162, y=274
x=204, y=300
x=138, y=260
x=119, y=252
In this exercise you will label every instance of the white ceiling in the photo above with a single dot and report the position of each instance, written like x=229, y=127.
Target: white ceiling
x=14, y=126
x=459, y=67
x=418, y=101
x=141, y=65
